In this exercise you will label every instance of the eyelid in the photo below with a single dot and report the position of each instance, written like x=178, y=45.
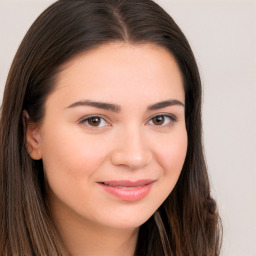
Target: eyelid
x=85, y=118
x=168, y=115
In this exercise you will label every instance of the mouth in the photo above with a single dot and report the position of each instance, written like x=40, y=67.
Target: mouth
x=128, y=190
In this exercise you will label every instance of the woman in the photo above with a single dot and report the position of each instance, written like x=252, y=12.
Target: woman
x=101, y=150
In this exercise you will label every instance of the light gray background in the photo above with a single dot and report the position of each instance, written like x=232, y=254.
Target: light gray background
x=223, y=36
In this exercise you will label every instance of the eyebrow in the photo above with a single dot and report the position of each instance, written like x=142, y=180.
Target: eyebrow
x=164, y=104
x=117, y=108
x=101, y=105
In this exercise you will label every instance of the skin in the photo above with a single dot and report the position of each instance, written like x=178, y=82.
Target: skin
x=126, y=145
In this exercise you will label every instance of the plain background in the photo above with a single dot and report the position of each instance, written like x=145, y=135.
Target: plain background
x=223, y=37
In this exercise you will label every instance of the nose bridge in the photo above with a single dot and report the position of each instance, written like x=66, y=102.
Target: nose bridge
x=132, y=149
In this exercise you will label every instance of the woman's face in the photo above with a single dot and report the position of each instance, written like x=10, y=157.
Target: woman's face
x=113, y=139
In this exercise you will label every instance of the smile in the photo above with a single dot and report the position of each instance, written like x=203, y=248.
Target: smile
x=127, y=190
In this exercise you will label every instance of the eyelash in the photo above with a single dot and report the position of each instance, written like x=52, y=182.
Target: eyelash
x=89, y=118
x=172, y=119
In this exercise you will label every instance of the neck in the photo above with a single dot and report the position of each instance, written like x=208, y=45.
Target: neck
x=90, y=240
x=83, y=237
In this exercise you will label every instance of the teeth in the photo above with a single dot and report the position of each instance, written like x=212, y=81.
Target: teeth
x=123, y=187
x=128, y=187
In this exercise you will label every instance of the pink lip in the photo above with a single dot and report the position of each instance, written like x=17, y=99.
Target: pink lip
x=128, y=190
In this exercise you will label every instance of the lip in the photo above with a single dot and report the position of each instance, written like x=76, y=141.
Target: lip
x=128, y=190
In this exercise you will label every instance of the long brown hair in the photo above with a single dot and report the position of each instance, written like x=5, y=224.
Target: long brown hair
x=187, y=223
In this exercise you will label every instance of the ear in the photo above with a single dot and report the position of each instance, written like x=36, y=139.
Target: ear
x=33, y=138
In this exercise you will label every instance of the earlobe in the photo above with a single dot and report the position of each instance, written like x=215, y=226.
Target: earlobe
x=33, y=139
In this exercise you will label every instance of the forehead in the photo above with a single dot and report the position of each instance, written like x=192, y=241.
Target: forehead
x=120, y=68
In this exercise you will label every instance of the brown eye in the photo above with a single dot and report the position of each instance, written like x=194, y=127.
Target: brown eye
x=95, y=121
x=162, y=120
x=158, y=120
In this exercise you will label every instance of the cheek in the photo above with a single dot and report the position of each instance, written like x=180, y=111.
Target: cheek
x=70, y=161
x=172, y=153
x=72, y=155
x=171, y=157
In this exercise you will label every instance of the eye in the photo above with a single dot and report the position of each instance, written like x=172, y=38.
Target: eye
x=162, y=120
x=94, y=121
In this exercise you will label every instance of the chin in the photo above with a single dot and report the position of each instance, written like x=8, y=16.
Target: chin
x=130, y=221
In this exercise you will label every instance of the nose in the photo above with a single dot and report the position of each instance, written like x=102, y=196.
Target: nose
x=131, y=150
